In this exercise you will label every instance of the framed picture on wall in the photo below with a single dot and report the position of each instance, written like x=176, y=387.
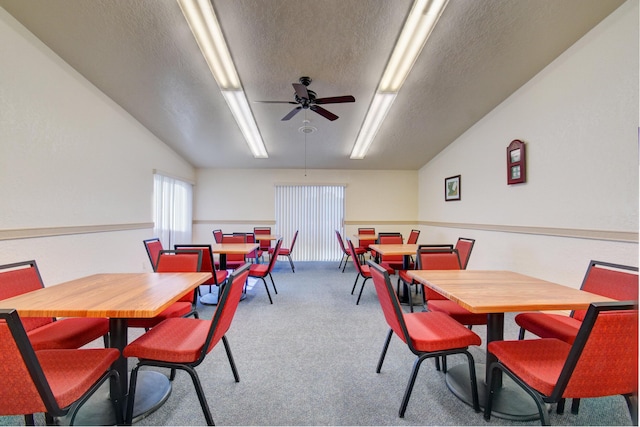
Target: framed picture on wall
x=516, y=164
x=452, y=188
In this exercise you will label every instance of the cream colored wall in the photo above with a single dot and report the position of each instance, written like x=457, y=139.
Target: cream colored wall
x=239, y=199
x=70, y=157
x=578, y=118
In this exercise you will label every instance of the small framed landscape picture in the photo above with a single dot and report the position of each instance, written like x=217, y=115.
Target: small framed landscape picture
x=452, y=188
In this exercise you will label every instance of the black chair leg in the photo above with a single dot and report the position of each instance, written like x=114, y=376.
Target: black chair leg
x=201, y=396
x=632, y=404
x=560, y=406
x=409, y=389
x=28, y=420
x=521, y=334
x=575, y=406
x=293, y=268
x=133, y=378
x=230, y=357
x=267, y=288
x=384, y=351
x=273, y=283
x=355, y=283
x=362, y=289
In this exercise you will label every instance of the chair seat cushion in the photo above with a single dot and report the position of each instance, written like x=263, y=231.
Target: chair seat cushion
x=404, y=276
x=284, y=251
x=258, y=270
x=537, y=362
x=456, y=312
x=70, y=333
x=177, y=309
x=366, y=271
x=431, y=331
x=547, y=325
x=176, y=340
x=71, y=372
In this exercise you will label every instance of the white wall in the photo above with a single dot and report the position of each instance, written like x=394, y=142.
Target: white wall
x=579, y=119
x=69, y=156
x=237, y=199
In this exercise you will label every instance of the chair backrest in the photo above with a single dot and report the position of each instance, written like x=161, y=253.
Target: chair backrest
x=153, y=247
x=228, y=300
x=235, y=238
x=354, y=256
x=393, y=314
x=436, y=258
x=251, y=238
x=341, y=242
x=293, y=241
x=603, y=360
x=364, y=243
x=464, y=247
x=390, y=238
x=207, y=263
x=413, y=237
x=264, y=244
x=17, y=279
x=217, y=235
x=614, y=281
x=180, y=261
x=26, y=390
x=274, y=256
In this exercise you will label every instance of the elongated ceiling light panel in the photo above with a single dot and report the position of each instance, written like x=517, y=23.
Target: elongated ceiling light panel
x=421, y=20
x=205, y=27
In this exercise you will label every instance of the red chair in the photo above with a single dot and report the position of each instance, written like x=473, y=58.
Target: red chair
x=260, y=271
x=427, y=334
x=217, y=235
x=602, y=361
x=413, y=237
x=180, y=261
x=47, y=332
x=235, y=260
x=362, y=269
x=56, y=382
x=445, y=259
x=254, y=255
x=265, y=245
x=287, y=251
x=153, y=247
x=364, y=243
x=394, y=262
x=218, y=277
x=183, y=343
x=346, y=253
x=464, y=246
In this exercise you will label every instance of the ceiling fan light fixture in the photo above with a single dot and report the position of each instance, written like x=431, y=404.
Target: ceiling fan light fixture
x=378, y=110
x=205, y=28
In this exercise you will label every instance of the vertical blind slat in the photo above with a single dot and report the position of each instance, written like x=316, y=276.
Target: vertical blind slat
x=315, y=211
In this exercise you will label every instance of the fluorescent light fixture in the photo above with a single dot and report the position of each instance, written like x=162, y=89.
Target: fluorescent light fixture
x=375, y=116
x=417, y=28
x=205, y=27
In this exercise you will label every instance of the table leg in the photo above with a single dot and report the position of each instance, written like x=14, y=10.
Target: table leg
x=510, y=401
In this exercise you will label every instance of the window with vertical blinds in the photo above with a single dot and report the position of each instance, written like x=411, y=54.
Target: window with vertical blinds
x=172, y=210
x=316, y=211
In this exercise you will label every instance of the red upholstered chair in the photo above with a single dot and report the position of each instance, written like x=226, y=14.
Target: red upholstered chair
x=218, y=277
x=602, y=361
x=394, y=262
x=47, y=332
x=183, y=343
x=217, y=235
x=427, y=334
x=364, y=243
x=287, y=251
x=362, y=269
x=347, y=253
x=464, y=247
x=265, y=245
x=235, y=260
x=56, y=382
x=260, y=271
x=176, y=261
x=413, y=237
x=445, y=259
x=153, y=247
x=255, y=255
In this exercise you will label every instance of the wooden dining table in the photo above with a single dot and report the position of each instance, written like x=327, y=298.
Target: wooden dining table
x=117, y=296
x=496, y=293
x=223, y=249
x=404, y=249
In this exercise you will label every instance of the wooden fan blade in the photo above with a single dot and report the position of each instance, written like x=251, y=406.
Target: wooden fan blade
x=301, y=90
x=324, y=113
x=291, y=113
x=335, y=99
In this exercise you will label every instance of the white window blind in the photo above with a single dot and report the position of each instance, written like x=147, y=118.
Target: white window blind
x=316, y=211
x=173, y=210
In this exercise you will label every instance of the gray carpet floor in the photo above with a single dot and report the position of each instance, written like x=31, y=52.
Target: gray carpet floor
x=310, y=359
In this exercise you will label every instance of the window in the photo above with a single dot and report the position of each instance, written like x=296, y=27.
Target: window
x=316, y=211
x=172, y=210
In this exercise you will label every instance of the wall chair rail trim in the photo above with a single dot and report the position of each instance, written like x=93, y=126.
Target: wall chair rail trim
x=30, y=233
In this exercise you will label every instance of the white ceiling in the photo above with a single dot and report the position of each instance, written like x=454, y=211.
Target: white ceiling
x=142, y=55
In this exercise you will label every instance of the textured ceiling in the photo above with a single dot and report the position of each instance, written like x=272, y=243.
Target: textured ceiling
x=142, y=55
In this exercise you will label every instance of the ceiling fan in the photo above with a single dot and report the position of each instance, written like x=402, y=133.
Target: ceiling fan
x=307, y=100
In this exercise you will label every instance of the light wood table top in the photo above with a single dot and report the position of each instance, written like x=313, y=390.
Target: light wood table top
x=113, y=295
x=366, y=236
x=267, y=236
x=490, y=291
x=234, y=248
x=395, y=248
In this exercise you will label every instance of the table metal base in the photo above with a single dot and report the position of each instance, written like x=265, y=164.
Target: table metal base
x=211, y=298
x=152, y=390
x=509, y=402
